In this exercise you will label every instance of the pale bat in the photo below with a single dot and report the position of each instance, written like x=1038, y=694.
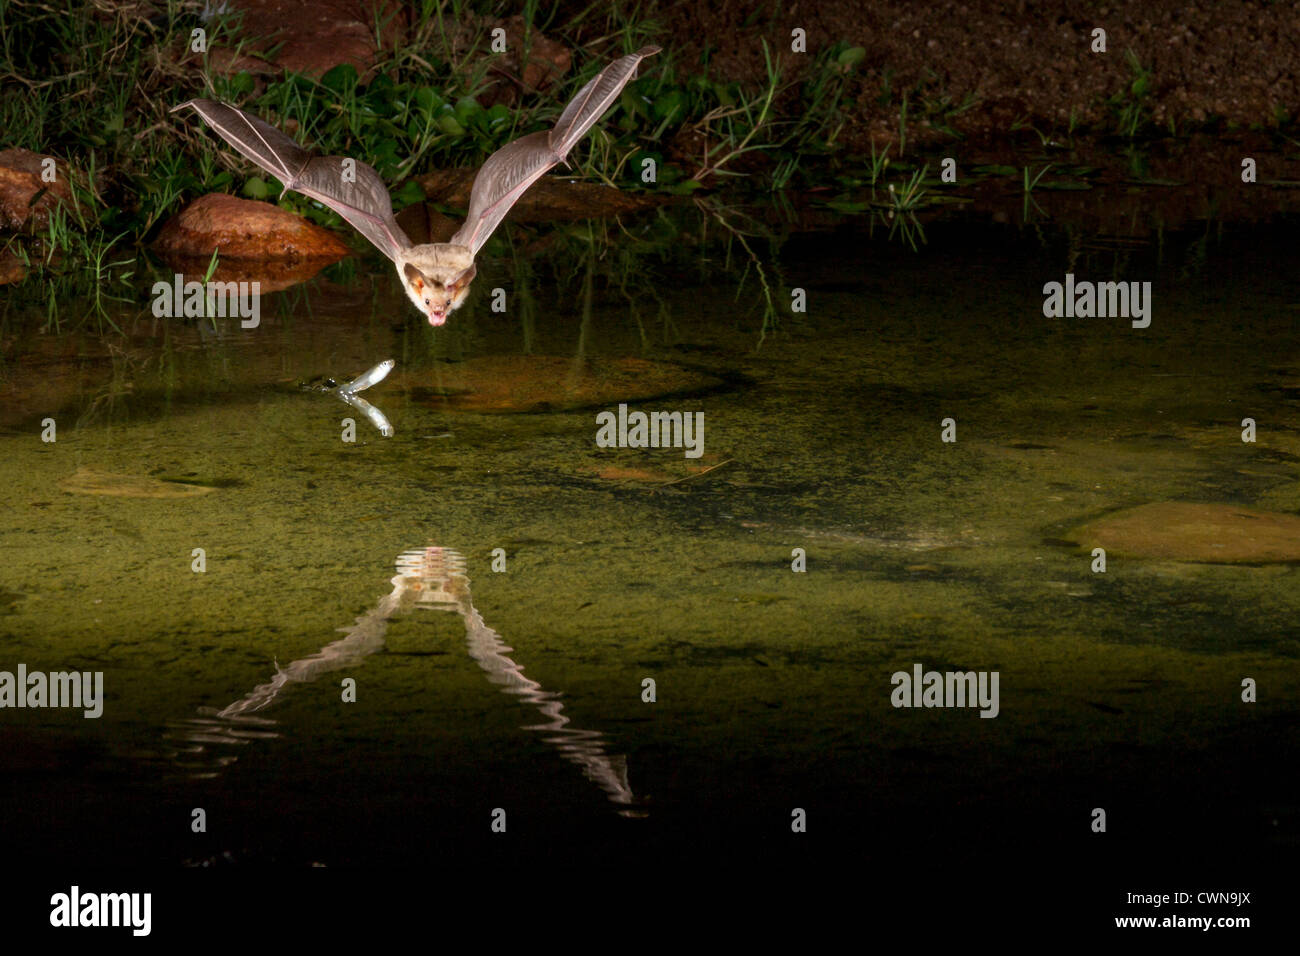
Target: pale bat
x=436, y=276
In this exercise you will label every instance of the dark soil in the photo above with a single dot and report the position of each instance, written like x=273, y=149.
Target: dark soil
x=1027, y=63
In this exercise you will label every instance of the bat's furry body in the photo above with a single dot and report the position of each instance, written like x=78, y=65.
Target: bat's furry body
x=436, y=276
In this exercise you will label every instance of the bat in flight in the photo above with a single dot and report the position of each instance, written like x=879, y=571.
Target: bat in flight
x=436, y=275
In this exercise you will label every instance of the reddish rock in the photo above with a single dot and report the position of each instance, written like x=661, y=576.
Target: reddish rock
x=1190, y=531
x=313, y=38
x=244, y=229
x=533, y=383
x=227, y=62
x=20, y=181
x=547, y=61
x=11, y=269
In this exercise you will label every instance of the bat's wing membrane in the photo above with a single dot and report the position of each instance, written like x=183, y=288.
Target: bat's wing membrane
x=505, y=177
x=509, y=171
x=364, y=202
x=594, y=98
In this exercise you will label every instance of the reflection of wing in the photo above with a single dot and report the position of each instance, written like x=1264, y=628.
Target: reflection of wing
x=364, y=203
x=509, y=171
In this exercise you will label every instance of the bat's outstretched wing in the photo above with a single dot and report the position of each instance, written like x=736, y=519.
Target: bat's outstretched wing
x=361, y=199
x=509, y=171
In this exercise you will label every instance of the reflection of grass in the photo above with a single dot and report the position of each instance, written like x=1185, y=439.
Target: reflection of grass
x=770, y=319
x=1030, y=184
x=707, y=243
x=74, y=263
x=910, y=197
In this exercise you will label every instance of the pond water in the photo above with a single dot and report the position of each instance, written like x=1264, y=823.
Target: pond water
x=514, y=680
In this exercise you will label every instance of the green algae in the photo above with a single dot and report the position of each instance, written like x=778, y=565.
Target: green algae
x=917, y=551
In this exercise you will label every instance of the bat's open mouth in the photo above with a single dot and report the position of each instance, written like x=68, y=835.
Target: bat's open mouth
x=437, y=316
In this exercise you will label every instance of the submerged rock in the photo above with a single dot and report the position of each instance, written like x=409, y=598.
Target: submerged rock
x=1186, y=531
x=87, y=481
x=670, y=471
x=535, y=383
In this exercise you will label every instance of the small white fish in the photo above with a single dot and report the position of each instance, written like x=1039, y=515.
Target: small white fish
x=377, y=418
x=363, y=382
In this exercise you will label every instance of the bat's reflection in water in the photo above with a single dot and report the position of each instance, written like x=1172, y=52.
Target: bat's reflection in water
x=432, y=579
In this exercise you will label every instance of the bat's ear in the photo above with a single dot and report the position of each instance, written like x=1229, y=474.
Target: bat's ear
x=415, y=278
x=465, y=278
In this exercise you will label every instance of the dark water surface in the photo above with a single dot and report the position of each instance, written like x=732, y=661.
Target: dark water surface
x=523, y=690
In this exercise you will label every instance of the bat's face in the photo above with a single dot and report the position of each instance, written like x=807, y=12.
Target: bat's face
x=437, y=279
